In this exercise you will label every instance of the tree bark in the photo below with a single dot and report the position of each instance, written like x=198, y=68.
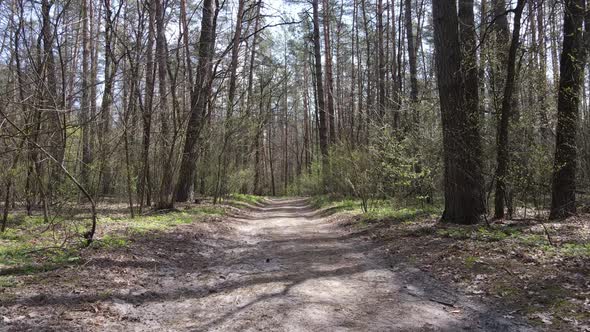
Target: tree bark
x=505, y=114
x=319, y=86
x=412, y=59
x=329, y=77
x=463, y=187
x=199, y=96
x=85, y=102
x=381, y=60
x=165, y=199
x=571, y=69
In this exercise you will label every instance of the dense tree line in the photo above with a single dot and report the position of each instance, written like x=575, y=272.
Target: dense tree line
x=482, y=104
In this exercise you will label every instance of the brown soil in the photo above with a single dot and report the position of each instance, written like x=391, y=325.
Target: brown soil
x=279, y=267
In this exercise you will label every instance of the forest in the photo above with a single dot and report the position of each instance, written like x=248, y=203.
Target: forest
x=194, y=145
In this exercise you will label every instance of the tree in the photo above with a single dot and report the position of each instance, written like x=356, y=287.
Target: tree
x=166, y=199
x=463, y=189
x=571, y=69
x=319, y=85
x=505, y=114
x=145, y=180
x=412, y=56
x=85, y=103
x=198, y=103
x=329, y=84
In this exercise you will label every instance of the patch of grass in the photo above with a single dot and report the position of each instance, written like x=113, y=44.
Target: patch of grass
x=321, y=201
x=406, y=214
x=25, y=249
x=571, y=249
x=10, y=234
x=8, y=281
x=478, y=234
x=24, y=259
x=14, y=253
x=575, y=249
x=249, y=199
x=470, y=261
x=112, y=241
x=142, y=224
x=495, y=234
x=533, y=239
x=379, y=210
x=335, y=204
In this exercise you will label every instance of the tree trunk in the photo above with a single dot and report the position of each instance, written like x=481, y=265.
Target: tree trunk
x=571, y=69
x=199, y=97
x=145, y=179
x=463, y=187
x=85, y=102
x=329, y=77
x=166, y=199
x=319, y=86
x=381, y=60
x=506, y=111
x=51, y=99
x=411, y=58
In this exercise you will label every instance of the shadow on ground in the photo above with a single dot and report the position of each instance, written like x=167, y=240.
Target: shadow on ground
x=282, y=266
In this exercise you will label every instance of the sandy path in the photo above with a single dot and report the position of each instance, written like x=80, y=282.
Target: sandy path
x=283, y=268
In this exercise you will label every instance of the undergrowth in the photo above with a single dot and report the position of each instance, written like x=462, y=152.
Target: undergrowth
x=378, y=210
x=246, y=198
x=30, y=245
x=386, y=211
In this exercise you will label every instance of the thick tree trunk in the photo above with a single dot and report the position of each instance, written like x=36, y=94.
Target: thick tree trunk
x=571, y=69
x=462, y=175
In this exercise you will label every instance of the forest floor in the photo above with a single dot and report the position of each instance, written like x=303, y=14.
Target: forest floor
x=535, y=269
x=279, y=266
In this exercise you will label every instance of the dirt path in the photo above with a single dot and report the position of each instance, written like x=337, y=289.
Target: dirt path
x=282, y=267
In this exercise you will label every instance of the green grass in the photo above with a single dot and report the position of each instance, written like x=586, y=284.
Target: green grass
x=379, y=210
x=479, y=234
x=335, y=204
x=245, y=198
x=27, y=246
x=576, y=249
x=161, y=221
x=389, y=212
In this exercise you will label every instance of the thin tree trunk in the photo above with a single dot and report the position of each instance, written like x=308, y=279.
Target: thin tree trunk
x=202, y=88
x=166, y=198
x=329, y=77
x=381, y=60
x=506, y=112
x=412, y=59
x=320, y=86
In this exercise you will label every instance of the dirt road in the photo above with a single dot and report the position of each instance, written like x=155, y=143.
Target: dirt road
x=281, y=267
